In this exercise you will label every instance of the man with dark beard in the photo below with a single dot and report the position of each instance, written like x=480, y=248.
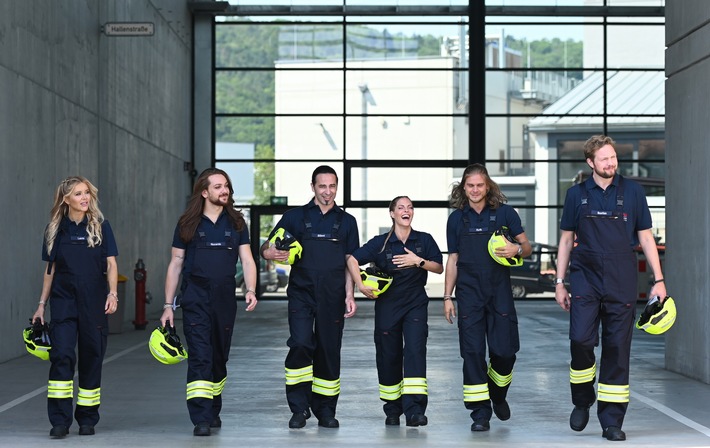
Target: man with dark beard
x=209, y=239
x=603, y=219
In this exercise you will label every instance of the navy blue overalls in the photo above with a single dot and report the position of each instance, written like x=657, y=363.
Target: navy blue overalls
x=401, y=332
x=603, y=286
x=316, y=308
x=77, y=301
x=209, y=309
x=485, y=311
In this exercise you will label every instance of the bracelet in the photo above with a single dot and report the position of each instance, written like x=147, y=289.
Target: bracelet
x=251, y=291
x=447, y=297
x=115, y=296
x=660, y=280
x=167, y=305
x=42, y=302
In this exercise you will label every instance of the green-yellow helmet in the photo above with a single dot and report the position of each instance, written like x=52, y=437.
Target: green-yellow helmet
x=499, y=239
x=37, y=340
x=657, y=317
x=165, y=346
x=377, y=279
x=285, y=241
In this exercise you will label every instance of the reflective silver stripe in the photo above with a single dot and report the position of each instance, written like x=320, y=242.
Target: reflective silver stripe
x=296, y=376
x=498, y=379
x=329, y=388
x=475, y=392
x=60, y=389
x=391, y=392
x=219, y=387
x=415, y=386
x=88, y=397
x=613, y=393
x=582, y=376
x=200, y=389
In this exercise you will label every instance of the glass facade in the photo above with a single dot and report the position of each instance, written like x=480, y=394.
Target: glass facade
x=400, y=96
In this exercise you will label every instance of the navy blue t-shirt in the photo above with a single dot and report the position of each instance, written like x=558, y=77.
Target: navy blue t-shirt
x=214, y=232
x=293, y=222
x=505, y=216
x=68, y=228
x=421, y=243
x=637, y=215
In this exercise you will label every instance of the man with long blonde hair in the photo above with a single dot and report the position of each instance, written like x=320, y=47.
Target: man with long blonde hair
x=486, y=311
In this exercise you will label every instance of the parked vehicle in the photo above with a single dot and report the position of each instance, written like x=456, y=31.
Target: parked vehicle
x=537, y=273
x=268, y=279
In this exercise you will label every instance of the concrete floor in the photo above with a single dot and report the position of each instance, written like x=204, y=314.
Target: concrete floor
x=143, y=402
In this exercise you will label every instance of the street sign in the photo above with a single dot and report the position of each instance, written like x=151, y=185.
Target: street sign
x=128, y=29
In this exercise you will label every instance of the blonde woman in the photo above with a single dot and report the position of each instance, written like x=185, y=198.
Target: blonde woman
x=80, y=282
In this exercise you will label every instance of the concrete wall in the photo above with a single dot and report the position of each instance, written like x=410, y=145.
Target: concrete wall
x=688, y=184
x=113, y=109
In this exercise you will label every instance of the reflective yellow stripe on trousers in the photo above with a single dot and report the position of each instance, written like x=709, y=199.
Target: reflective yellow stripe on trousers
x=582, y=376
x=200, y=389
x=88, y=397
x=391, y=392
x=415, y=386
x=475, y=392
x=329, y=388
x=498, y=379
x=613, y=393
x=60, y=389
x=296, y=376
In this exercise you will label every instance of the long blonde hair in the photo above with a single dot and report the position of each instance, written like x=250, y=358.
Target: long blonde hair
x=494, y=198
x=61, y=209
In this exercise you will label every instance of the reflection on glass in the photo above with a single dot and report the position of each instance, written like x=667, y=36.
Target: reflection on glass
x=255, y=131
x=541, y=46
x=406, y=137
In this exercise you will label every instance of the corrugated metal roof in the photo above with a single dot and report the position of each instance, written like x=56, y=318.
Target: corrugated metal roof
x=629, y=93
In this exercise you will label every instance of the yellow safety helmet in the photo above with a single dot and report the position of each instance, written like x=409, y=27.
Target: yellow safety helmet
x=499, y=239
x=377, y=279
x=657, y=317
x=165, y=346
x=37, y=341
x=285, y=241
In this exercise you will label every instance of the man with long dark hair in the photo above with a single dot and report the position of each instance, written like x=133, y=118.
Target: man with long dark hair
x=320, y=296
x=483, y=292
x=209, y=239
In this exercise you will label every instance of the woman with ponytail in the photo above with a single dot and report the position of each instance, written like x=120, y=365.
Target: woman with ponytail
x=401, y=311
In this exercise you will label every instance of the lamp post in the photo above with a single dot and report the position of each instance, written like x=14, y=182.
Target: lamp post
x=367, y=99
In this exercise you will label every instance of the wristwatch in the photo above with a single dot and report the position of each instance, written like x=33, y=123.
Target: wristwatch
x=559, y=281
x=520, y=249
x=421, y=263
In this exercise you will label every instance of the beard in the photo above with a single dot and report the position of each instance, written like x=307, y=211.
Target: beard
x=219, y=201
x=603, y=174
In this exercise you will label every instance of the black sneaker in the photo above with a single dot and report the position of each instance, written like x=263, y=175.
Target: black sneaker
x=329, y=422
x=86, y=430
x=480, y=425
x=614, y=433
x=216, y=422
x=501, y=410
x=298, y=420
x=58, y=432
x=392, y=420
x=579, y=418
x=201, y=429
x=417, y=420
